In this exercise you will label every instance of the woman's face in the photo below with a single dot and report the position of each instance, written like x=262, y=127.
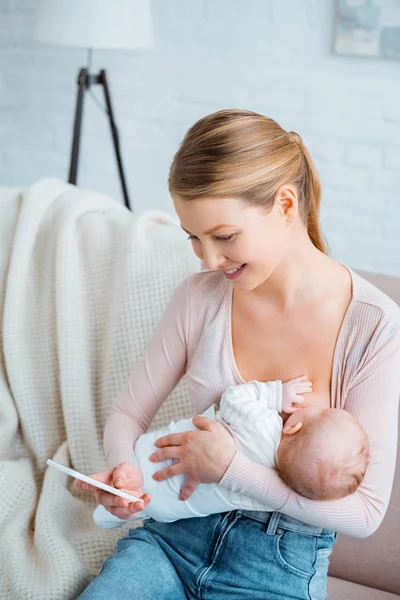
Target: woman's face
x=243, y=241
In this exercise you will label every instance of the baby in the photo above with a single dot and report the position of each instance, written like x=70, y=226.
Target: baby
x=322, y=454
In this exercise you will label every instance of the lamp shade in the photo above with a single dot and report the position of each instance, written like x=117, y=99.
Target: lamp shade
x=95, y=23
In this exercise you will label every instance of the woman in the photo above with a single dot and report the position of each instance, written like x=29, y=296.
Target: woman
x=272, y=306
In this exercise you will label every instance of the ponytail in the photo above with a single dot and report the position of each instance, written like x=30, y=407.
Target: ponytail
x=312, y=200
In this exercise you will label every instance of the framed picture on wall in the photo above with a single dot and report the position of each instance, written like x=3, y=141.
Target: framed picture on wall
x=367, y=28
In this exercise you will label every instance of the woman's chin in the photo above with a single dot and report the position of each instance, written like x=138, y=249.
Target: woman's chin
x=248, y=280
x=249, y=283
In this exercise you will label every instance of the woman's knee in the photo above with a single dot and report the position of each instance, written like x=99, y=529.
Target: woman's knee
x=139, y=568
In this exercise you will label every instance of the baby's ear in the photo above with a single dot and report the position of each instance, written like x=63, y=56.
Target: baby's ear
x=292, y=429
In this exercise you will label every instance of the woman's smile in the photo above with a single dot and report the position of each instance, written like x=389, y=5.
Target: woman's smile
x=235, y=273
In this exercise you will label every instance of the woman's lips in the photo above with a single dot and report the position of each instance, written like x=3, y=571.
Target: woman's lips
x=235, y=274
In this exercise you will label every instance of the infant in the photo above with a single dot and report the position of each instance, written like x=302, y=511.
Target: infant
x=321, y=454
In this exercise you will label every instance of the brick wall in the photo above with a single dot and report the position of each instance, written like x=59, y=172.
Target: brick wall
x=272, y=56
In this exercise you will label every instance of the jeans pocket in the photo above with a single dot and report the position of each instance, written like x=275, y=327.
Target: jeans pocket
x=319, y=581
x=296, y=552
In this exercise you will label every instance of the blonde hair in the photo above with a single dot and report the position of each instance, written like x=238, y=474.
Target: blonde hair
x=239, y=153
x=321, y=471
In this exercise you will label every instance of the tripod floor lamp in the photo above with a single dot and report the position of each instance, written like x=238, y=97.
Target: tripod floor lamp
x=95, y=24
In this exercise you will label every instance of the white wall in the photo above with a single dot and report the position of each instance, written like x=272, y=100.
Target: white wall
x=272, y=56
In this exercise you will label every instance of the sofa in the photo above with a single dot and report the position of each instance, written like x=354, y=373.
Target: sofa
x=369, y=569
x=92, y=242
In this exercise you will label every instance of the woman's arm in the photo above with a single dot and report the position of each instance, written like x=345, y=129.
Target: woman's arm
x=159, y=370
x=373, y=400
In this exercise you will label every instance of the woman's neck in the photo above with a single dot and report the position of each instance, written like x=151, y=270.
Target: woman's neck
x=302, y=277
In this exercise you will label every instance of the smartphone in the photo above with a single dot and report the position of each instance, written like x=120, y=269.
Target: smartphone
x=91, y=481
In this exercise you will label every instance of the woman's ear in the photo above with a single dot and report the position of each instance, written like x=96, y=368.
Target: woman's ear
x=287, y=201
x=292, y=429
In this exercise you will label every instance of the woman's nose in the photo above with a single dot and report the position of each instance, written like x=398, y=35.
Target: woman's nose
x=213, y=261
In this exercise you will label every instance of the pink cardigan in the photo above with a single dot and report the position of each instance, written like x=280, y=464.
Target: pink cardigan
x=193, y=337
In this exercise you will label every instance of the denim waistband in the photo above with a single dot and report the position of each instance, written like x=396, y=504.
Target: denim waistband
x=277, y=520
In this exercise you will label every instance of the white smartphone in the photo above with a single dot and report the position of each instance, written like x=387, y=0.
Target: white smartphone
x=91, y=481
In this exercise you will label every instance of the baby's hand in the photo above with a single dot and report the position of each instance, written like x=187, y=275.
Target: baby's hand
x=291, y=393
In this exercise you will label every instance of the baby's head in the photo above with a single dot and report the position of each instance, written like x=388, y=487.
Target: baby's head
x=323, y=454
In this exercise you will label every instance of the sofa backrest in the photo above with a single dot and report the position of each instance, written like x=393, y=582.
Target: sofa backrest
x=375, y=561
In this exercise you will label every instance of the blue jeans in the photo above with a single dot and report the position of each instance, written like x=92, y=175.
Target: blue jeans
x=240, y=555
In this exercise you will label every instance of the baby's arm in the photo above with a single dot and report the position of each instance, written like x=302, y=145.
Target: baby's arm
x=262, y=398
x=249, y=403
x=251, y=413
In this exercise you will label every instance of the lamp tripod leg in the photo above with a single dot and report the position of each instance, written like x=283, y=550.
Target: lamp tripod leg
x=115, y=137
x=82, y=85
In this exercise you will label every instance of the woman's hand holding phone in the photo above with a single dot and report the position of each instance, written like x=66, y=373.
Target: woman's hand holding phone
x=125, y=476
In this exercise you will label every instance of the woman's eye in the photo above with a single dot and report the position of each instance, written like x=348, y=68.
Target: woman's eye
x=218, y=238
x=225, y=238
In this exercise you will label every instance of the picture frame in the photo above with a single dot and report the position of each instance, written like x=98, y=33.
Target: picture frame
x=369, y=28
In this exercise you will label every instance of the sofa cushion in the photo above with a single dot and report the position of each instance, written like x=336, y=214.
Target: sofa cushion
x=374, y=561
x=338, y=589
x=389, y=284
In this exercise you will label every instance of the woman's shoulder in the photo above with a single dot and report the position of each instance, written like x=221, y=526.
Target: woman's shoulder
x=372, y=301
x=370, y=340
x=372, y=327
x=205, y=300
x=208, y=287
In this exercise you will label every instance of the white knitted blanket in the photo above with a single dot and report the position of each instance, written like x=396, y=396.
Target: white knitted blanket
x=82, y=284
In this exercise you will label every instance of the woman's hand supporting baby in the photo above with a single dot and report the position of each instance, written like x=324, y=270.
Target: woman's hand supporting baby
x=125, y=476
x=203, y=455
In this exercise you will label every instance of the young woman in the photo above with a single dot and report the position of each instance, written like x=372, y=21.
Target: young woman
x=272, y=306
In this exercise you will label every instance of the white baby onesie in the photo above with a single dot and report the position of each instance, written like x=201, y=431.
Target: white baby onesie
x=251, y=413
